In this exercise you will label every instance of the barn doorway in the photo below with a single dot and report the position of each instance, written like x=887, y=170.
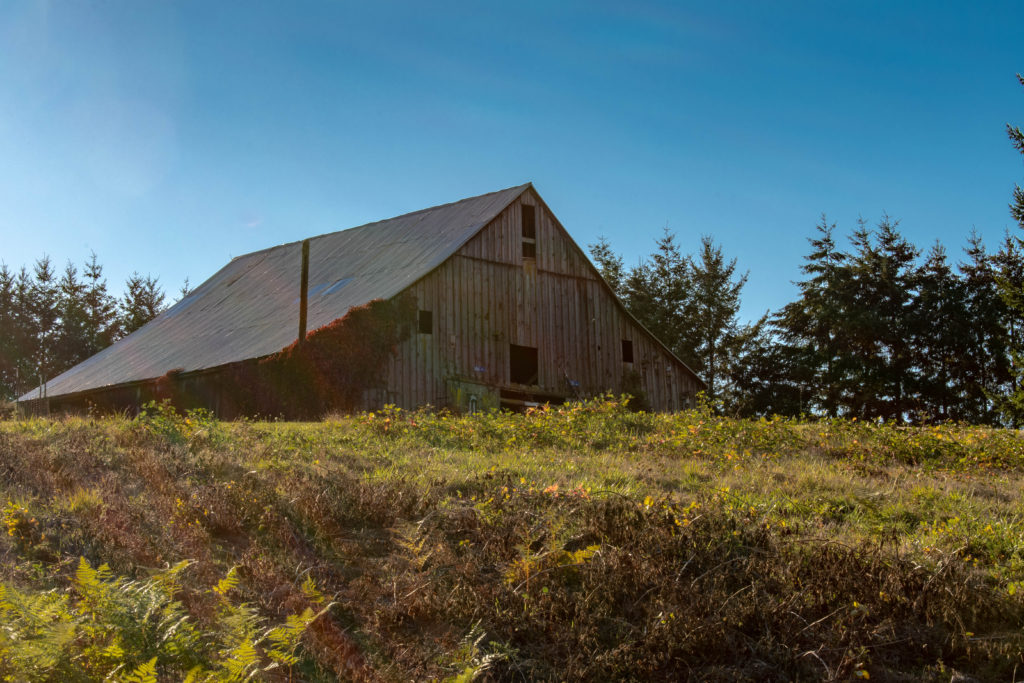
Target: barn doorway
x=522, y=366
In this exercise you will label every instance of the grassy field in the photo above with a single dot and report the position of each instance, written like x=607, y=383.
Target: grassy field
x=588, y=542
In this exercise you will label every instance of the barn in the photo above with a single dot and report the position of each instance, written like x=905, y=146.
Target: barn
x=482, y=303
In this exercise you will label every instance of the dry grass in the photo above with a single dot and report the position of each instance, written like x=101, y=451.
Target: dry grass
x=576, y=544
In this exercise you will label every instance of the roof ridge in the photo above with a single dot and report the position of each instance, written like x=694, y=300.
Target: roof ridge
x=521, y=187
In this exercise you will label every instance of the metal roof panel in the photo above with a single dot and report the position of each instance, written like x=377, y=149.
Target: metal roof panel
x=249, y=308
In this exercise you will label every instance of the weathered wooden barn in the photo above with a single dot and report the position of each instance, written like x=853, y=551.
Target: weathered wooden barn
x=500, y=307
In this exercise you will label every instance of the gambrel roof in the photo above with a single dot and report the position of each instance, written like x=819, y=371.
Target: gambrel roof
x=250, y=307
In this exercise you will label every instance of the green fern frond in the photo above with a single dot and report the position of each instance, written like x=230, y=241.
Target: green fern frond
x=227, y=583
x=170, y=578
x=144, y=673
x=310, y=590
x=242, y=662
x=85, y=575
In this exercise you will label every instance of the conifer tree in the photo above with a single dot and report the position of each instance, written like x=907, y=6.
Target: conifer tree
x=1011, y=404
x=938, y=330
x=984, y=365
x=70, y=343
x=143, y=300
x=1017, y=140
x=26, y=373
x=9, y=347
x=44, y=311
x=876, y=322
x=690, y=303
x=608, y=263
x=811, y=325
x=713, y=314
x=101, y=309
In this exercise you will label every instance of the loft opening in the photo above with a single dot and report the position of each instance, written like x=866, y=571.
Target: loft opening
x=627, y=350
x=522, y=365
x=529, y=220
x=426, y=322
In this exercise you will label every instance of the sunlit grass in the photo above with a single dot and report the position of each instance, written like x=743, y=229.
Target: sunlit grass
x=581, y=521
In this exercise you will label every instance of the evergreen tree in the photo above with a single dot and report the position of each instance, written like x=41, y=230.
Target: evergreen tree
x=1017, y=139
x=659, y=294
x=1011, y=404
x=101, y=310
x=44, y=308
x=811, y=325
x=690, y=303
x=72, y=329
x=878, y=371
x=1009, y=275
x=185, y=290
x=9, y=347
x=608, y=263
x=984, y=365
x=768, y=377
x=938, y=336
x=26, y=373
x=656, y=291
x=143, y=300
x=896, y=293
x=713, y=314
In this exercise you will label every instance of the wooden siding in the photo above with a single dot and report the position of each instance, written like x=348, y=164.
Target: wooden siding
x=487, y=296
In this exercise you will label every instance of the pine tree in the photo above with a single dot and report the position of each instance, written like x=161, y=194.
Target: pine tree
x=811, y=325
x=1009, y=275
x=768, y=376
x=939, y=330
x=878, y=370
x=608, y=263
x=985, y=364
x=1017, y=140
x=8, y=334
x=690, y=303
x=26, y=373
x=656, y=291
x=101, y=310
x=896, y=291
x=143, y=300
x=715, y=302
x=44, y=311
x=1011, y=404
x=72, y=328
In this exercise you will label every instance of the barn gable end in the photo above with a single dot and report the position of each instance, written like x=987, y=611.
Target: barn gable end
x=504, y=296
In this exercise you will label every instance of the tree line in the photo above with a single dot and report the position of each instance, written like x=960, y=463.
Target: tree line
x=51, y=321
x=880, y=329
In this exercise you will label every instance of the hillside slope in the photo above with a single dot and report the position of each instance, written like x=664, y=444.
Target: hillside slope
x=576, y=543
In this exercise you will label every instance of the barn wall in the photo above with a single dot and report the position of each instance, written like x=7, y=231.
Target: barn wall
x=488, y=296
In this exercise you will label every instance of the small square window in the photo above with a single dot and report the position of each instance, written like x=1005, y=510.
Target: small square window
x=529, y=222
x=522, y=364
x=529, y=249
x=627, y=351
x=426, y=322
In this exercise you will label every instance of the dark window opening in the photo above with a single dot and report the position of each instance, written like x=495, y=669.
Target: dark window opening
x=426, y=322
x=529, y=231
x=529, y=222
x=627, y=351
x=522, y=364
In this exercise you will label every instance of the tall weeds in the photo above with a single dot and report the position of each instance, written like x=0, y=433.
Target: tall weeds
x=581, y=542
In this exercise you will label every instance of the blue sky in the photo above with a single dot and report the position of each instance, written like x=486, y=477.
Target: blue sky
x=171, y=136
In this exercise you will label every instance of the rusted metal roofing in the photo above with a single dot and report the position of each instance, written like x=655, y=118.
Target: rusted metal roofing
x=250, y=307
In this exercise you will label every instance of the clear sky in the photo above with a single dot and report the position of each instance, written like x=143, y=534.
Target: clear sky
x=170, y=136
